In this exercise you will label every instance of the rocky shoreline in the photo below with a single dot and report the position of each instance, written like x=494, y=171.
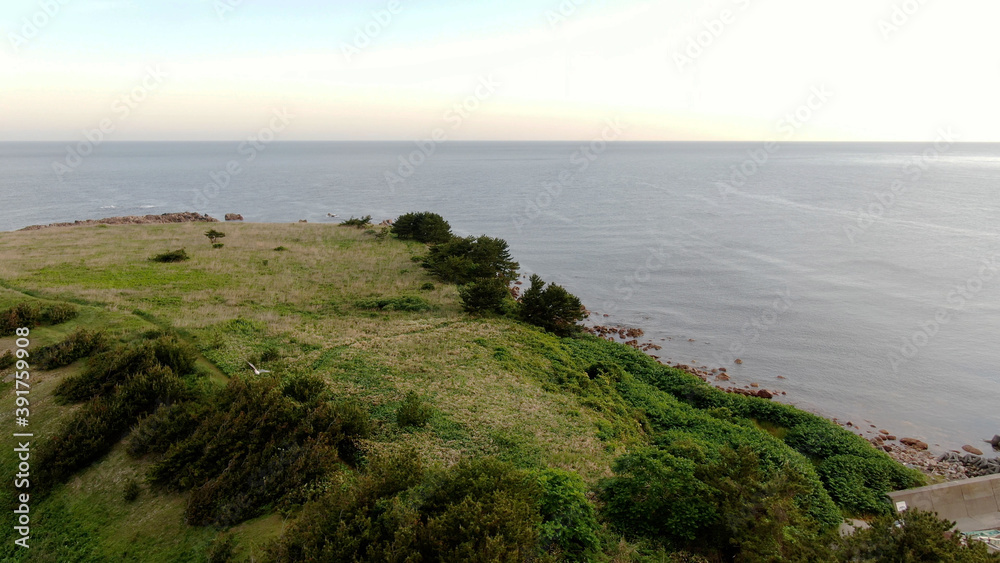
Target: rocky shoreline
x=184, y=217
x=911, y=452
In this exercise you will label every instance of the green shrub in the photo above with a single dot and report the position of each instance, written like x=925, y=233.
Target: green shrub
x=915, y=536
x=306, y=388
x=280, y=249
x=169, y=424
x=80, y=344
x=569, y=527
x=428, y=286
x=860, y=484
x=131, y=491
x=489, y=295
x=657, y=495
x=29, y=315
x=222, y=550
x=21, y=315
x=107, y=370
x=413, y=412
x=822, y=439
x=407, y=303
x=552, y=308
x=424, y=227
x=178, y=255
x=253, y=447
x=57, y=314
x=100, y=423
x=8, y=359
x=465, y=260
x=477, y=510
x=220, y=245
x=360, y=222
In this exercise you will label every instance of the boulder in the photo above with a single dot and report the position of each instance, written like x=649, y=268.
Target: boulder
x=995, y=442
x=972, y=450
x=234, y=217
x=764, y=394
x=914, y=443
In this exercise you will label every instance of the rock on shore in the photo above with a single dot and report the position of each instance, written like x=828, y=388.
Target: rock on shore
x=234, y=217
x=185, y=217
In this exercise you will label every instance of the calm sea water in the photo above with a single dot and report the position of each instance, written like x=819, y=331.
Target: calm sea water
x=867, y=275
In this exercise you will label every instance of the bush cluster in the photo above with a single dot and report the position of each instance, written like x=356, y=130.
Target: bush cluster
x=7, y=359
x=29, y=315
x=915, y=536
x=483, y=269
x=100, y=423
x=858, y=488
x=358, y=222
x=426, y=227
x=477, y=510
x=724, y=502
x=409, y=303
x=107, y=370
x=81, y=343
x=247, y=447
x=413, y=412
x=178, y=255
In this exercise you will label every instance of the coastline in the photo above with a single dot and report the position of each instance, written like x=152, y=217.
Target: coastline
x=952, y=465
x=948, y=466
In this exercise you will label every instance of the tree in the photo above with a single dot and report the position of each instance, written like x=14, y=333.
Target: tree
x=914, y=536
x=488, y=295
x=213, y=235
x=424, y=227
x=466, y=260
x=552, y=308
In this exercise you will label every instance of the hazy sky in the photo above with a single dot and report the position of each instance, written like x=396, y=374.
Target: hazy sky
x=511, y=69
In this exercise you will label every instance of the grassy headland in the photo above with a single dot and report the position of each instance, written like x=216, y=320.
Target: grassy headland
x=589, y=450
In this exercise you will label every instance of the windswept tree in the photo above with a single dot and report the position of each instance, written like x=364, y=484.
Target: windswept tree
x=552, y=307
x=470, y=259
x=214, y=236
x=424, y=227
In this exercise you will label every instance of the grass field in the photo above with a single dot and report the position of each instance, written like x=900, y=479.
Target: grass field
x=291, y=311
x=362, y=314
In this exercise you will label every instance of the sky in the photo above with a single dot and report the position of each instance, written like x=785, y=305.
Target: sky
x=744, y=70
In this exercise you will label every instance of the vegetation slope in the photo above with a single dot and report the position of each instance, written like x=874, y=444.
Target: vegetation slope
x=392, y=425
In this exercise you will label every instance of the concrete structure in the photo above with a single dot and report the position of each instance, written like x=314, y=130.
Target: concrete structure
x=973, y=504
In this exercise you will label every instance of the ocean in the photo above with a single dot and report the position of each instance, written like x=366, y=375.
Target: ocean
x=866, y=276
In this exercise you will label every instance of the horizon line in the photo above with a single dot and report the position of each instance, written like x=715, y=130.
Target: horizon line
x=458, y=141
